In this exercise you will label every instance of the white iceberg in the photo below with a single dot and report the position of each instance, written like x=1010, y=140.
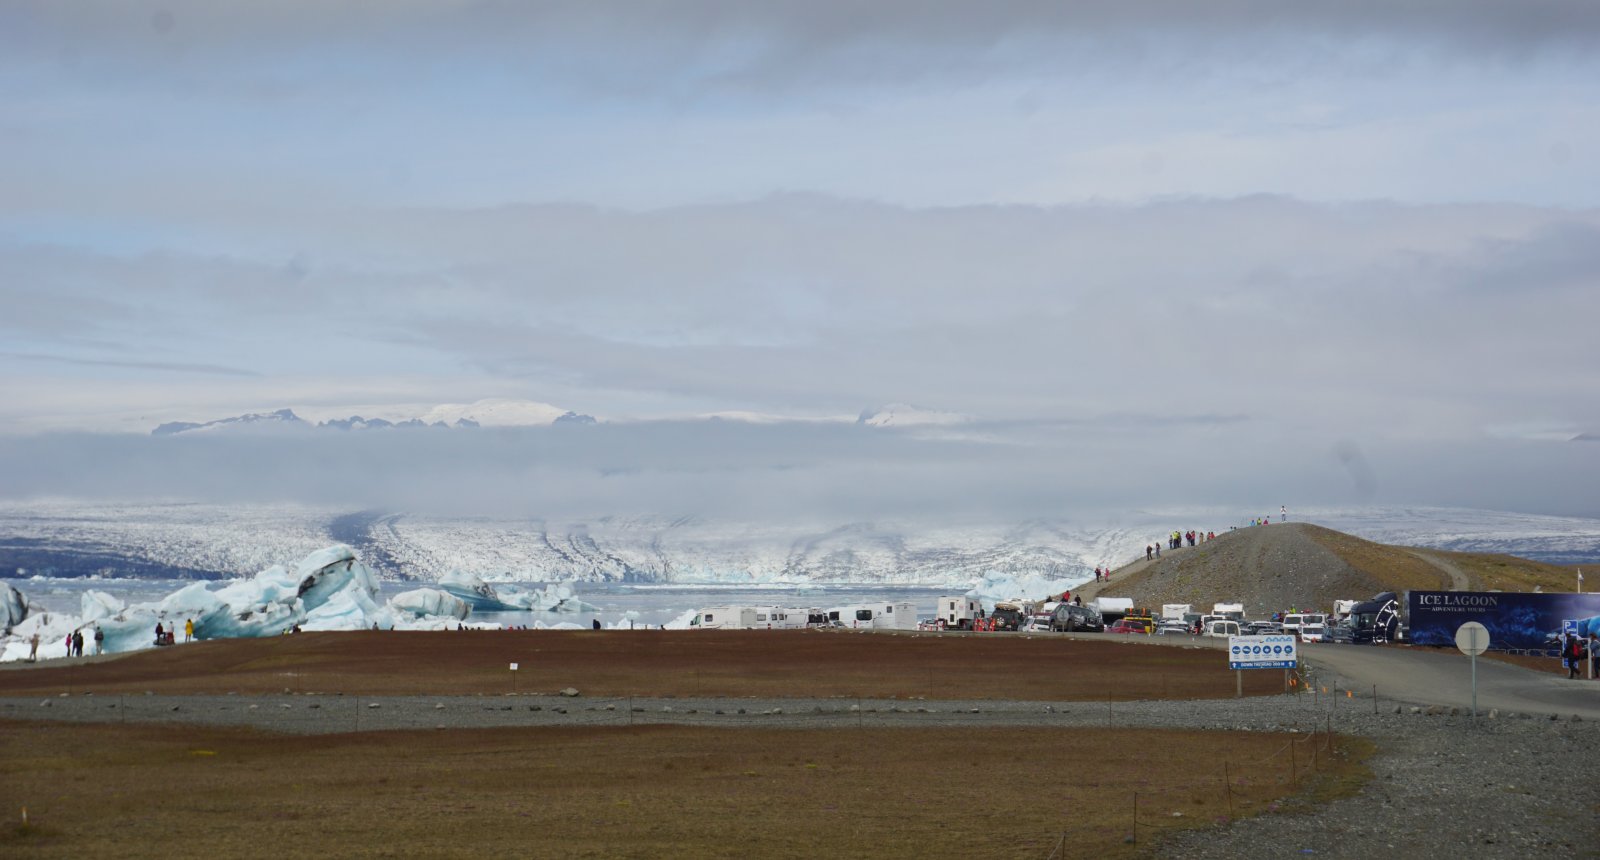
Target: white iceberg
x=13, y=607
x=329, y=590
x=430, y=601
x=98, y=605
x=483, y=597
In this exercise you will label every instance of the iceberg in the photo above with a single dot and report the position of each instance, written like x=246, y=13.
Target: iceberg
x=99, y=605
x=997, y=588
x=329, y=589
x=431, y=601
x=480, y=596
x=13, y=607
x=483, y=597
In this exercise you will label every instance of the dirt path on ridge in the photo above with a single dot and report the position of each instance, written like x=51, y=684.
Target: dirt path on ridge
x=1459, y=581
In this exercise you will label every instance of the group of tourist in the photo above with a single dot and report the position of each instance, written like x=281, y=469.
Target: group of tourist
x=1176, y=541
x=1575, y=651
x=168, y=635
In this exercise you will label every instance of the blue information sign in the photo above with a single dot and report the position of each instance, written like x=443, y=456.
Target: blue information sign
x=1278, y=651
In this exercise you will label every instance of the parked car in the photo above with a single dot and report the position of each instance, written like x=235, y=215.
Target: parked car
x=1312, y=632
x=1145, y=621
x=1071, y=618
x=1128, y=626
x=1169, y=628
x=1263, y=628
x=1221, y=628
x=1342, y=634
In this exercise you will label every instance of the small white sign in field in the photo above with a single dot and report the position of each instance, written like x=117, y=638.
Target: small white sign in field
x=1262, y=652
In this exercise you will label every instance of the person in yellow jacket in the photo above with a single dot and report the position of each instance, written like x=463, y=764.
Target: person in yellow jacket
x=188, y=630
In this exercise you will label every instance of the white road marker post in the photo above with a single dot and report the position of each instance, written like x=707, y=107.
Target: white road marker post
x=1473, y=639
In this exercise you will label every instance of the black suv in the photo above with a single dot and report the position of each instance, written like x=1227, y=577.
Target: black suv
x=1070, y=617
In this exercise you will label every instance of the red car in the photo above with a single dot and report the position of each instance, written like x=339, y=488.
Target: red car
x=1126, y=626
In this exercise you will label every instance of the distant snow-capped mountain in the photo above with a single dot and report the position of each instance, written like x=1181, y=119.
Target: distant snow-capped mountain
x=483, y=413
x=903, y=415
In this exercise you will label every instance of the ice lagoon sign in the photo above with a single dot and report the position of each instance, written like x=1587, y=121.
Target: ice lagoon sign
x=1262, y=652
x=1513, y=619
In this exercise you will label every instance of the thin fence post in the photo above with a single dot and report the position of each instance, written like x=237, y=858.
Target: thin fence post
x=1108, y=709
x=1136, y=818
x=1227, y=787
x=1374, y=699
x=1294, y=777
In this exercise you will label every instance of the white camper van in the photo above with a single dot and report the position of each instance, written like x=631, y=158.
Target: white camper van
x=1231, y=611
x=1175, y=611
x=855, y=616
x=955, y=612
x=781, y=618
x=725, y=618
x=894, y=616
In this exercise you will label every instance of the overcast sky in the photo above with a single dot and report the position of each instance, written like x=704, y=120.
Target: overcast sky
x=1234, y=253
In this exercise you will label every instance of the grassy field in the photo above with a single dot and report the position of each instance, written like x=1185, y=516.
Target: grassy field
x=1393, y=567
x=1510, y=573
x=799, y=663
x=173, y=792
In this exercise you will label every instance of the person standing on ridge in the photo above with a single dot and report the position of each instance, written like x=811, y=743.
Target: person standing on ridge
x=99, y=640
x=188, y=630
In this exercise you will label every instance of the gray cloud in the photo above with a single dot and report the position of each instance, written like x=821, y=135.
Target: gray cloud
x=794, y=473
x=1396, y=320
x=683, y=48
x=174, y=367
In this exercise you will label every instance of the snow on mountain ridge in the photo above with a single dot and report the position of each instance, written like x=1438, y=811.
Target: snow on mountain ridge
x=905, y=415
x=483, y=413
x=497, y=412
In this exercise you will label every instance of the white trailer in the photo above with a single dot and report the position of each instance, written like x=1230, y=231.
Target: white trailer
x=1233, y=611
x=1112, y=608
x=781, y=617
x=900, y=615
x=956, y=611
x=725, y=618
x=1175, y=611
x=860, y=615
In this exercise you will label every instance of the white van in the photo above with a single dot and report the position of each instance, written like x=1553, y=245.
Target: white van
x=725, y=618
x=1294, y=621
x=1223, y=629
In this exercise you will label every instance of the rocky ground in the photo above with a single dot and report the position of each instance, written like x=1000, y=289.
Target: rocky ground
x=1445, y=784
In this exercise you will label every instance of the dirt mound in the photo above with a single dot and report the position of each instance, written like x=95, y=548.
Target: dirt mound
x=1272, y=568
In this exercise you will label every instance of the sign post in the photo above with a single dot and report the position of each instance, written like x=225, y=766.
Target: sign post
x=1261, y=652
x=1473, y=639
